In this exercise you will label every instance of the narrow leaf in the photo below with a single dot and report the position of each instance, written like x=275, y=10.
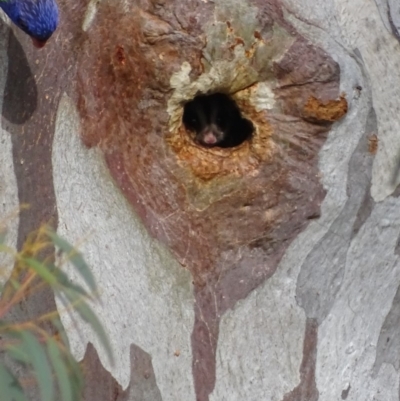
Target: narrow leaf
x=42, y=270
x=63, y=280
x=10, y=389
x=18, y=354
x=16, y=285
x=88, y=316
x=75, y=371
x=60, y=371
x=40, y=365
x=61, y=331
x=76, y=259
x=17, y=395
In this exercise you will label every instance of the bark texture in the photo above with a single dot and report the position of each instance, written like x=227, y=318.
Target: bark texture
x=265, y=271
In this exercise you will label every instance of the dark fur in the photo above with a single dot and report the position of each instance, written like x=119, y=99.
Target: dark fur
x=216, y=117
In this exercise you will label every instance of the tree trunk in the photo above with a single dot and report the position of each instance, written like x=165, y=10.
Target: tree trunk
x=266, y=271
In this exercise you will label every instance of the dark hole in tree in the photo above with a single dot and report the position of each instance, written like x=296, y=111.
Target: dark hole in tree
x=216, y=120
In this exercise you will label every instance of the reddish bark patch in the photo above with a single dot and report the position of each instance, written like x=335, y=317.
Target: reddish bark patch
x=228, y=215
x=373, y=144
x=325, y=112
x=100, y=385
x=307, y=389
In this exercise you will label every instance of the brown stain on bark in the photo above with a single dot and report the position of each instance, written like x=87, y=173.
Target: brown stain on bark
x=100, y=385
x=325, y=112
x=227, y=215
x=373, y=143
x=307, y=389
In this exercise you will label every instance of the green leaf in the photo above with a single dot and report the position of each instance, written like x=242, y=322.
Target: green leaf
x=17, y=395
x=10, y=389
x=42, y=270
x=18, y=354
x=60, y=370
x=89, y=316
x=76, y=259
x=76, y=377
x=61, y=331
x=15, y=284
x=40, y=365
x=63, y=280
x=75, y=372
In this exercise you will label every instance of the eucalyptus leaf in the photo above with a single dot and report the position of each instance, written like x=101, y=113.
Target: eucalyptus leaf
x=42, y=270
x=17, y=394
x=51, y=362
x=89, y=316
x=75, y=258
x=17, y=353
x=75, y=372
x=40, y=363
x=61, y=331
x=10, y=388
x=15, y=284
x=63, y=281
x=60, y=370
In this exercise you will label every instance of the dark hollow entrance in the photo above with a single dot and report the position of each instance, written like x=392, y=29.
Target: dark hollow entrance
x=216, y=120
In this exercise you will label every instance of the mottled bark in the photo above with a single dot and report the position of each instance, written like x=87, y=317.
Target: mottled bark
x=265, y=271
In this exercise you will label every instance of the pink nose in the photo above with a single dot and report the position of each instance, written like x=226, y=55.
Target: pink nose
x=209, y=138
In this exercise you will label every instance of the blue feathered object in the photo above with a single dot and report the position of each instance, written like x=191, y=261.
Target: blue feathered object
x=37, y=18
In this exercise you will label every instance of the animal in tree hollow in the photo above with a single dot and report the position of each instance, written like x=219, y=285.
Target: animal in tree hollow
x=216, y=120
